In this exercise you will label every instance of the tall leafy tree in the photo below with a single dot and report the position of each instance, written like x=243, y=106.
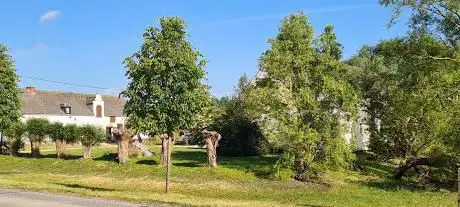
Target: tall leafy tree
x=412, y=102
x=241, y=135
x=438, y=17
x=303, y=98
x=165, y=90
x=10, y=94
x=37, y=129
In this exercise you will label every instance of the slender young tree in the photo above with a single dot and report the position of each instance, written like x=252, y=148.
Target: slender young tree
x=165, y=90
x=37, y=129
x=10, y=94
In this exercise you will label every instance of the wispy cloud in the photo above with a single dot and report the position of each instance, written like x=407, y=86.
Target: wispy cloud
x=239, y=20
x=38, y=48
x=50, y=16
x=111, y=91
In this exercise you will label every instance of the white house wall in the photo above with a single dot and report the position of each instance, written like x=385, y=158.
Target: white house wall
x=79, y=120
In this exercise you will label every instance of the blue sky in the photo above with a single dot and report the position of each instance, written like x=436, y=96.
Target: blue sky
x=85, y=41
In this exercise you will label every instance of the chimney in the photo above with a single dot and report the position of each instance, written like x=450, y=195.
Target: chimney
x=30, y=89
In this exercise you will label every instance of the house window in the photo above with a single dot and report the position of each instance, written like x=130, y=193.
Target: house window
x=108, y=131
x=98, y=111
x=112, y=119
x=67, y=110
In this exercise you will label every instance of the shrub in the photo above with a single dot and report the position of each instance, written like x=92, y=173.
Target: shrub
x=37, y=129
x=89, y=136
x=14, y=138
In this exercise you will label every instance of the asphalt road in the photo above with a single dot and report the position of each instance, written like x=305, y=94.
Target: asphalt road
x=16, y=198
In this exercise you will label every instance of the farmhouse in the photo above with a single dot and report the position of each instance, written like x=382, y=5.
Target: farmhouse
x=74, y=108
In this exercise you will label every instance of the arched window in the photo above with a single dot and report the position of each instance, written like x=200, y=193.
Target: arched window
x=98, y=111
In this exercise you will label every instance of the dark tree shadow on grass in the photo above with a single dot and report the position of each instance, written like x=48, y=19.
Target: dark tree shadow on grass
x=85, y=187
x=189, y=164
x=311, y=205
x=261, y=166
x=393, y=185
x=108, y=157
x=50, y=156
x=147, y=162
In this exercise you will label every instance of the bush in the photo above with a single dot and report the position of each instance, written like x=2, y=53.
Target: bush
x=89, y=136
x=14, y=138
x=37, y=129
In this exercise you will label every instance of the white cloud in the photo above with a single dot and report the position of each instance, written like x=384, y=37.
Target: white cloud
x=50, y=16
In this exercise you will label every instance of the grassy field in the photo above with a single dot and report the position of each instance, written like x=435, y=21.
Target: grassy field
x=237, y=181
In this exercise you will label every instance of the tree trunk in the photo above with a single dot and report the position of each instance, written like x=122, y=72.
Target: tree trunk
x=123, y=149
x=87, y=151
x=35, y=148
x=410, y=163
x=164, y=146
x=60, y=148
x=211, y=143
x=300, y=168
x=167, y=144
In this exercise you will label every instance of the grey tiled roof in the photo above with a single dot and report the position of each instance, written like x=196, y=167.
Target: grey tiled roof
x=49, y=103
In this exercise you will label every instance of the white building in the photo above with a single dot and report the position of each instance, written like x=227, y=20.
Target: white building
x=74, y=108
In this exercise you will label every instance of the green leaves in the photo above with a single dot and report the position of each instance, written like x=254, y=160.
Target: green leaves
x=165, y=91
x=37, y=128
x=90, y=135
x=303, y=95
x=440, y=18
x=412, y=101
x=70, y=133
x=10, y=94
x=56, y=131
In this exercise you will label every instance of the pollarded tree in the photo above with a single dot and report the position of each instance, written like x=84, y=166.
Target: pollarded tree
x=56, y=133
x=302, y=98
x=165, y=90
x=10, y=94
x=14, y=136
x=89, y=136
x=62, y=135
x=37, y=129
x=211, y=142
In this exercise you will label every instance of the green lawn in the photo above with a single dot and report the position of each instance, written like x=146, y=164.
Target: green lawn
x=237, y=181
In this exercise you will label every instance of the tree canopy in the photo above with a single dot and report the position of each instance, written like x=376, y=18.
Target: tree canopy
x=412, y=102
x=10, y=93
x=438, y=17
x=302, y=97
x=165, y=90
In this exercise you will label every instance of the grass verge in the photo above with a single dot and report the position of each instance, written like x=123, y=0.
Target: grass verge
x=238, y=181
